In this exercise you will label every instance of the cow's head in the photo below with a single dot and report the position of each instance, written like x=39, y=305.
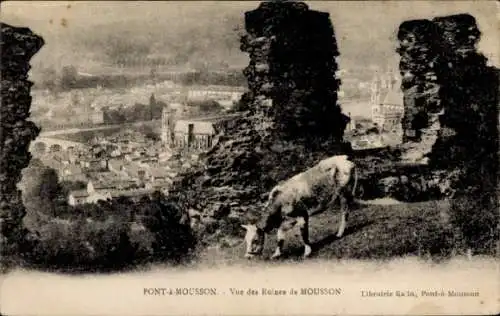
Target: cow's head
x=254, y=240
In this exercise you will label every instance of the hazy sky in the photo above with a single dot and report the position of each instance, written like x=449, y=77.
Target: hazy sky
x=361, y=27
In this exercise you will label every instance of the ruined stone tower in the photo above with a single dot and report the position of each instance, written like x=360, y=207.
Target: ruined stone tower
x=420, y=55
x=450, y=93
x=291, y=74
x=18, y=45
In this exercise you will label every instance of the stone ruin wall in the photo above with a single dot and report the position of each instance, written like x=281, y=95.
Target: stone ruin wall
x=291, y=74
x=450, y=92
x=451, y=100
x=18, y=45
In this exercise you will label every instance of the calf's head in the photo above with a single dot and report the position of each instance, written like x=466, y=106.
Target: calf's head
x=254, y=240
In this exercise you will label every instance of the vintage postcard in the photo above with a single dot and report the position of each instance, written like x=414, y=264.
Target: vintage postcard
x=249, y=158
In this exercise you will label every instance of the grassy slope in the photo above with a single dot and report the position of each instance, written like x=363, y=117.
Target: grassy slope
x=374, y=232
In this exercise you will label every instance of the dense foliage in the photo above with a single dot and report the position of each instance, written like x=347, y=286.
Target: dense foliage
x=110, y=235
x=208, y=77
x=153, y=111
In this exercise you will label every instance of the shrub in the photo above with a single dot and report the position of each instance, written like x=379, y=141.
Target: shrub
x=476, y=216
x=112, y=235
x=81, y=245
x=173, y=237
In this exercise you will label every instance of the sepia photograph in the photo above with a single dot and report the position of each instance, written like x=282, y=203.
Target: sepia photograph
x=249, y=157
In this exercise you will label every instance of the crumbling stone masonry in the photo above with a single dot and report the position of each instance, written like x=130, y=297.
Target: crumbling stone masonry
x=420, y=56
x=450, y=93
x=17, y=46
x=469, y=94
x=291, y=74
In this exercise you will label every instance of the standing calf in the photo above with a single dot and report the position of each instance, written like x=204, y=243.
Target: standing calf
x=288, y=203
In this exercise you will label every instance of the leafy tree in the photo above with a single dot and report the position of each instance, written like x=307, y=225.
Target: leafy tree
x=36, y=163
x=208, y=106
x=49, y=78
x=55, y=148
x=39, y=148
x=67, y=186
x=162, y=218
x=372, y=130
x=49, y=189
x=69, y=76
x=244, y=103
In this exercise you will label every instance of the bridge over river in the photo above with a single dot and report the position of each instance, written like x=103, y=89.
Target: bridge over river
x=48, y=141
x=74, y=130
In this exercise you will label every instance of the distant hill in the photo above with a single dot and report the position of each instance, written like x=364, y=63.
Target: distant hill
x=199, y=38
x=205, y=34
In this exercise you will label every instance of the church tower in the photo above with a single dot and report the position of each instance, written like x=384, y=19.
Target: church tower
x=375, y=90
x=376, y=97
x=167, y=125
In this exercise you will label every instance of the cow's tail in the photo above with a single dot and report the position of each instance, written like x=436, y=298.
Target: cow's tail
x=355, y=185
x=357, y=191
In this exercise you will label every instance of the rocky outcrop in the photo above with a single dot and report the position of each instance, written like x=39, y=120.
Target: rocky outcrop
x=17, y=46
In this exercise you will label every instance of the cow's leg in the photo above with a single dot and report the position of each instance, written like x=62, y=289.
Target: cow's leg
x=303, y=223
x=330, y=201
x=344, y=206
x=281, y=241
x=275, y=220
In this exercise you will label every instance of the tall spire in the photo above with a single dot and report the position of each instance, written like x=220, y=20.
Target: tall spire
x=375, y=88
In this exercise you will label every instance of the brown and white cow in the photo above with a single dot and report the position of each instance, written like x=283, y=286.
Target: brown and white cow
x=289, y=203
